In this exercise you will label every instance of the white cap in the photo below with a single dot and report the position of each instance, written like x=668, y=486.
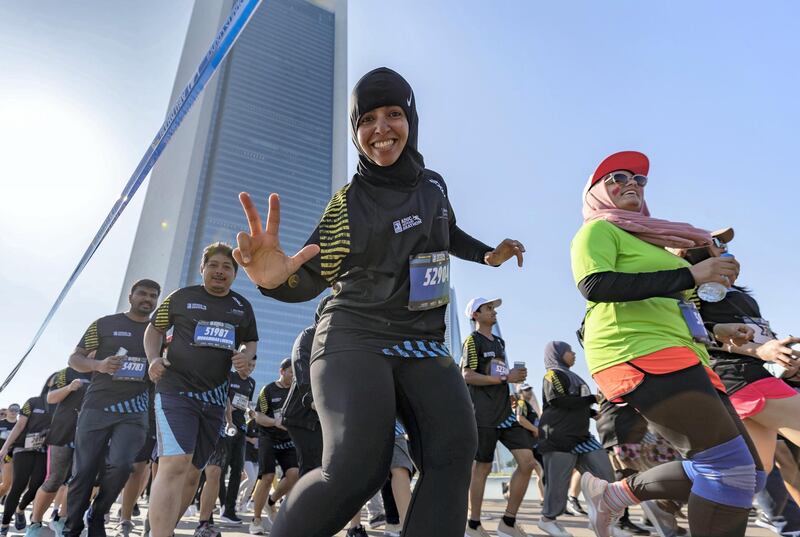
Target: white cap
x=475, y=304
x=525, y=387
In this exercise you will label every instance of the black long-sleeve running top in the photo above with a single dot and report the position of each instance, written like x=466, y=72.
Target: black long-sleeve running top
x=367, y=235
x=626, y=287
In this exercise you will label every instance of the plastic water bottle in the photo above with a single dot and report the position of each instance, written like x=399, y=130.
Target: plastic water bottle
x=713, y=291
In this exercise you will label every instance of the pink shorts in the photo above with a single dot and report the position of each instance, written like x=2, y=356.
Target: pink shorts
x=751, y=399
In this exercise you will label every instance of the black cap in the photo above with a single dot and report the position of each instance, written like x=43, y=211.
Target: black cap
x=286, y=363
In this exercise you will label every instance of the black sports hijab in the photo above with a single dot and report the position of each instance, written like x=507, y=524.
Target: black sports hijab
x=384, y=87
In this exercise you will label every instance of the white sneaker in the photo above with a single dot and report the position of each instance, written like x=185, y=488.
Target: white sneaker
x=601, y=517
x=553, y=528
x=478, y=532
x=616, y=531
x=260, y=526
x=392, y=530
x=504, y=530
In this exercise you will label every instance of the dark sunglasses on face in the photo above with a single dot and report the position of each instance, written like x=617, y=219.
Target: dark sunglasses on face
x=622, y=179
x=719, y=244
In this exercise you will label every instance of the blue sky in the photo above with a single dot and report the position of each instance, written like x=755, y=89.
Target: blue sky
x=518, y=102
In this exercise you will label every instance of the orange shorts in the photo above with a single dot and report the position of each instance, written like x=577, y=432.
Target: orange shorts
x=622, y=379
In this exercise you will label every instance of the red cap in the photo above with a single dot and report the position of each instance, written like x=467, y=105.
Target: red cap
x=632, y=161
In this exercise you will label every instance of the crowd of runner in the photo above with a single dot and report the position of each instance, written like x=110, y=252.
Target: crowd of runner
x=697, y=413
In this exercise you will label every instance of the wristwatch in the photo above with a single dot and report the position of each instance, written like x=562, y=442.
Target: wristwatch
x=504, y=379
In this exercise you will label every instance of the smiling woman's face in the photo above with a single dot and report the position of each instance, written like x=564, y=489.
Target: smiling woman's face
x=628, y=197
x=382, y=134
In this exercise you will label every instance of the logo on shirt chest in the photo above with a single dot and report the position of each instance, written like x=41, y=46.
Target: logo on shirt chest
x=38, y=411
x=406, y=223
x=489, y=354
x=276, y=399
x=195, y=306
x=119, y=333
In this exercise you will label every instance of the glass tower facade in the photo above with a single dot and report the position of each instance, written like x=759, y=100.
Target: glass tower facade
x=271, y=131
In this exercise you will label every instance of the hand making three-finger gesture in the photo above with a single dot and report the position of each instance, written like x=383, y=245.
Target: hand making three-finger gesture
x=259, y=252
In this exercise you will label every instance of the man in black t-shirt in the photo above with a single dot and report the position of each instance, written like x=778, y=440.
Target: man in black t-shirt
x=66, y=391
x=112, y=424
x=213, y=328
x=241, y=388
x=487, y=374
x=275, y=446
x=229, y=450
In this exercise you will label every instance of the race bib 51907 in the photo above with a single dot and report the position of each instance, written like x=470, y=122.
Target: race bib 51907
x=215, y=334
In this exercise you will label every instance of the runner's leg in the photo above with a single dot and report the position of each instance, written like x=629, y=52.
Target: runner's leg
x=354, y=396
x=443, y=440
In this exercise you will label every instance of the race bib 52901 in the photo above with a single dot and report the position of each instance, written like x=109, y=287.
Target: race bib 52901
x=429, y=279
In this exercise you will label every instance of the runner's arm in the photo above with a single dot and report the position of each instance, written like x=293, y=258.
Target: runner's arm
x=229, y=413
x=466, y=247
x=58, y=395
x=628, y=287
x=525, y=422
x=153, y=341
x=79, y=361
x=476, y=379
x=555, y=391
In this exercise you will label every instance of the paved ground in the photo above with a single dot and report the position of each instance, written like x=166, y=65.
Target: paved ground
x=493, y=508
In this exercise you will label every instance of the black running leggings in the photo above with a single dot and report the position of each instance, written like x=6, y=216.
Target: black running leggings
x=358, y=395
x=692, y=416
x=30, y=468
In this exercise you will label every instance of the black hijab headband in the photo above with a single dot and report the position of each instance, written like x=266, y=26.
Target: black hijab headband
x=384, y=87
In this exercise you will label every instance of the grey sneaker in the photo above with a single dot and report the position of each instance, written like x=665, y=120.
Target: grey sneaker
x=392, y=530
x=124, y=528
x=377, y=521
x=260, y=526
x=206, y=530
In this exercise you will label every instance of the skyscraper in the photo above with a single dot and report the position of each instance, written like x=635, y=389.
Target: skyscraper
x=274, y=119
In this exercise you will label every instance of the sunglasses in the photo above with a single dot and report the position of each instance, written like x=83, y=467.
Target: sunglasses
x=719, y=244
x=622, y=179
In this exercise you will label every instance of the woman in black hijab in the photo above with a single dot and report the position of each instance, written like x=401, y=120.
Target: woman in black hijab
x=383, y=244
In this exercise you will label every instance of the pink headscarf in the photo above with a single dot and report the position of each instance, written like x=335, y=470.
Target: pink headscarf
x=597, y=205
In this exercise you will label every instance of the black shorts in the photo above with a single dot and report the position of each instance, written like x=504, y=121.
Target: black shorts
x=222, y=453
x=514, y=437
x=147, y=453
x=187, y=426
x=269, y=455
